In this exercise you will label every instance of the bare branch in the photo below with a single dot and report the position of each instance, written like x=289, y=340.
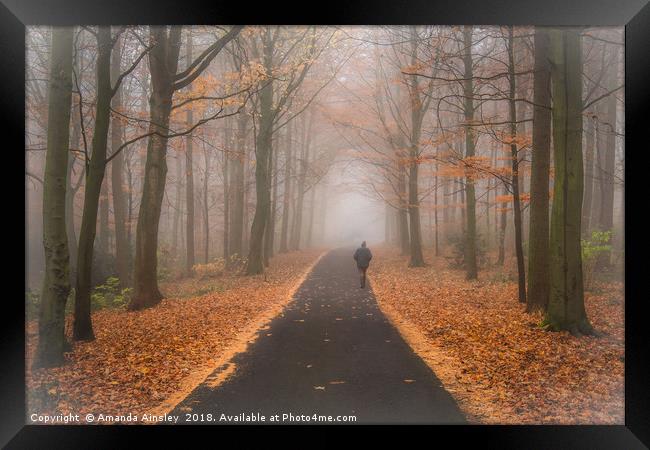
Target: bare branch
x=199, y=65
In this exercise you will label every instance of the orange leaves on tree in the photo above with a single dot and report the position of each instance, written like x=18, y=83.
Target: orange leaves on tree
x=524, y=197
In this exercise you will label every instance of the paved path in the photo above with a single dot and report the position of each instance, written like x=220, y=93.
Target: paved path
x=331, y=352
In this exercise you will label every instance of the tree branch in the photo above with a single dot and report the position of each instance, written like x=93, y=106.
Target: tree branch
x=190, y=74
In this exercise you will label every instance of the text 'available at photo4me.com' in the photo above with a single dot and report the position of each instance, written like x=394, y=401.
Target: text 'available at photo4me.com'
x=188, y=418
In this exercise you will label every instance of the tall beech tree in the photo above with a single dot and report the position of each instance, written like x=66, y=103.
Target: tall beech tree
x=263, y=142
x=56, y=282
x=269, y=237
x=163, y=63
x=514, y=155
x=236, y=175
x=227, y=200
x=301, y=184
x=286, y=196
x=471, y=264
x=122, y=244
x=178, y=202
x=587, y=202
x=566, y=308
x=607, y=172
x=274, y=47
x=189, y=179
x=73, y=188
x=538, y=254
x=310, y=223
x=405, y=131
x=95, y=170
x=238, y=187
x=395, y=170
x=205, y=207
x=419, y=99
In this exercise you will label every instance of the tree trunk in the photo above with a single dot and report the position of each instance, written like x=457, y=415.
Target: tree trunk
x=435, y=212
x=255, y=257
x=589, y=176
x=146, y=259
x=206, y=212
x=462, y=202
x=286, y=196
x=227, y=201
x=503, y=226
x=56, y=282
x=237, y=188
x=189, y=183
x=402, y=210
x=129, y=206
x=566, y=309
x=122, y=245
x=495, y=185
x=176, y=219
x=488, y=191
x=269, y=243
x=310, y=223
x=102, y=267
x=245, y=245
x=163, y=61
x=417, y=114
x=470, y=197
x=606, y=219
x=82, y=329
x=255, y=264
x=445, y=205
x=514, y=154
x=268, y=230
x=302, y=179
x=538, y=250
x=415, y=232
x=71, y=190
x=69, y=215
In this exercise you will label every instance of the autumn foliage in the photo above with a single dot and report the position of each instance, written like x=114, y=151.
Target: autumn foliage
x=500, y=365
x=171, y=161
x=140, y=358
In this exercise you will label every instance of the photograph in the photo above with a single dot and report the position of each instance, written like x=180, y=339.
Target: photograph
x=353, y=224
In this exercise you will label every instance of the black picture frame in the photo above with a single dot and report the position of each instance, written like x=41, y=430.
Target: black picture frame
x=633, y=14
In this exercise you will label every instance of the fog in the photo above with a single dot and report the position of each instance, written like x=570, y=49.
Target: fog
x=352, y=217
x=344, y=137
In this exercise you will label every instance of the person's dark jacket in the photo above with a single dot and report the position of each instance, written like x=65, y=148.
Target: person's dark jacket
x=363, y=256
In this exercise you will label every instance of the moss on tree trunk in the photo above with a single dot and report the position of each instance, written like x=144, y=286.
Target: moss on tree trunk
x=56, y=282
x=566, y=309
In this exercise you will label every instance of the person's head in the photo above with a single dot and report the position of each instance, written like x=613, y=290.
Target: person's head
x=363, y=244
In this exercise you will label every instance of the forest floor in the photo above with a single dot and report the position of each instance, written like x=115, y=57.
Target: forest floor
x=493, y=357
x=499, y=365
x=140, y=360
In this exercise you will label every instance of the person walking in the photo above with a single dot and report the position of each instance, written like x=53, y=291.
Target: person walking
x=363, y=256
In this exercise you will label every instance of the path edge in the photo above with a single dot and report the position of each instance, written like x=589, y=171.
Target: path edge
x=247, y=336
x=440, y=363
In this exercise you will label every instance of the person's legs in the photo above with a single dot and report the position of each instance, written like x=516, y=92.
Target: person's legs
x=362, y=276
